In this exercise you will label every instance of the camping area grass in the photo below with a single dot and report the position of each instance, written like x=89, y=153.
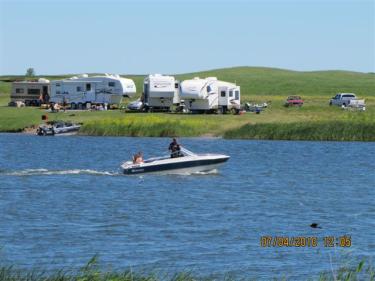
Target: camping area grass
x=316, y=120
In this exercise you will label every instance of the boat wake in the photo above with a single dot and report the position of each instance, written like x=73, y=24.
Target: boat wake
x=197, y=173
x=210, y=172
x=45, y=172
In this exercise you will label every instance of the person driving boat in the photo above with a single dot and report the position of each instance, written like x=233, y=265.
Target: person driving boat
x=175, y=149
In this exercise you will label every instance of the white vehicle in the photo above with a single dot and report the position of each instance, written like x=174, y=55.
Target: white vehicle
x=136, y=105
x=160, y=92
x=210, y=95
x=84, y=90
x=357, y=105
x=342, y=99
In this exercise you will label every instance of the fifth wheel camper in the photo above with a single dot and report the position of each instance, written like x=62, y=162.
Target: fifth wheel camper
x=83, y=90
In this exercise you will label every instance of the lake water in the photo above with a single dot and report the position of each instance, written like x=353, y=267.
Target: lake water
x=63, y=200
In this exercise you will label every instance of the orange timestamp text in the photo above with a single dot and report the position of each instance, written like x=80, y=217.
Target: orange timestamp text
x=305, y=241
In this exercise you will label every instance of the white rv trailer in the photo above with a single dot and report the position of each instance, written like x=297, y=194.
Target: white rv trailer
x=160, y=92
x=210, y=95
x=78, y=91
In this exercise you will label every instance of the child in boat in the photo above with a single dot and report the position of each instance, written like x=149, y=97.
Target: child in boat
x=138, y=158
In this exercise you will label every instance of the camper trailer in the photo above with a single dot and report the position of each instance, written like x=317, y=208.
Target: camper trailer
x=83, y=90
x=30, y=92
x=210, y=95
x=160, y=92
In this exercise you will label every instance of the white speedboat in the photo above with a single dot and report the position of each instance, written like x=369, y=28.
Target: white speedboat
x=187, y=162
x=57, y=128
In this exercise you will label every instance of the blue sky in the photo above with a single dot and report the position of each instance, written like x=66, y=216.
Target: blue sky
x=139, y=37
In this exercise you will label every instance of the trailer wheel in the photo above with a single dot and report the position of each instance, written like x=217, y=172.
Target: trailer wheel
x=80, y=106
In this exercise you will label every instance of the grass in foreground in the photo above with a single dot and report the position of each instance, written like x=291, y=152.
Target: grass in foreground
x=92, y=272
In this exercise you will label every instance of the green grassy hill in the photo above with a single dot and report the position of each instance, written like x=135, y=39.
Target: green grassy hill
x=315, y=120
x=257, y=81
x=260, y=82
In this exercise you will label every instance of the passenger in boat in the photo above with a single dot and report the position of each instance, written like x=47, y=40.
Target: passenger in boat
x=175, y=149
x=138, y=158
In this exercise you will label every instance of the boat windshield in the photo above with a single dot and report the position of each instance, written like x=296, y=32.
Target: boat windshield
x=185, y=152
x=156, y=159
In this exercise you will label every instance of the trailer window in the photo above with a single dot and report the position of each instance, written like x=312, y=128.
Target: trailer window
x=208, y=89
x=237, y=95
x=88, y=87
x=33, y=91
x=19, y=91
x=111, y=84
x=176, y=85
x=222, y=93
x=57, y=84
x=79, y=89
x=230, y=94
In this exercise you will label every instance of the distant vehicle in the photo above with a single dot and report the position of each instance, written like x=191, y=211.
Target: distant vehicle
x=210, y=95
x=30, y=93
x=342, y=99
x=136, y=105
x=57, y=128
x=293, y=101
x=79, y=92
x=356, y=105
x=160, y=92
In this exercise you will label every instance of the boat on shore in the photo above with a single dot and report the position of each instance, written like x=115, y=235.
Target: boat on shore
x=53, y=128
x=187, y=162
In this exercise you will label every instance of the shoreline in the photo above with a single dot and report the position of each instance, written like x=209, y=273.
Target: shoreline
x=30, y=131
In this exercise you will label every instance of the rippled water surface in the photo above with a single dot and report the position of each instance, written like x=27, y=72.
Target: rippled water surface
x=63, y=200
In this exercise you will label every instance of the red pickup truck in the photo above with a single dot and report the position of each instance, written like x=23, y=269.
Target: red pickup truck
x=293, y=101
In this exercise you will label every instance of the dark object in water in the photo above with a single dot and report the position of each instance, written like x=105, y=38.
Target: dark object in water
x=315, y=225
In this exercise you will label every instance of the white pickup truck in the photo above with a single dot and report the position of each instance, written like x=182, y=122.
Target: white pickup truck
x=342, y=99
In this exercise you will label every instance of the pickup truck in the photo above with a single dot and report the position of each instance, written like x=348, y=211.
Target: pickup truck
x=356, y=105
x=342, y=99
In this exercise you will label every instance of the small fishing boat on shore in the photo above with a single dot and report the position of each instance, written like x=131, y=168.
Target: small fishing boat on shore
x=186, y=162
x=53, y=128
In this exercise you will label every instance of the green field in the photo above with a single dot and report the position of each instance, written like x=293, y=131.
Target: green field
x=316, y=120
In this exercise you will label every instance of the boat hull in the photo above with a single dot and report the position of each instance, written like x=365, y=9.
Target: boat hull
x=190, y=166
